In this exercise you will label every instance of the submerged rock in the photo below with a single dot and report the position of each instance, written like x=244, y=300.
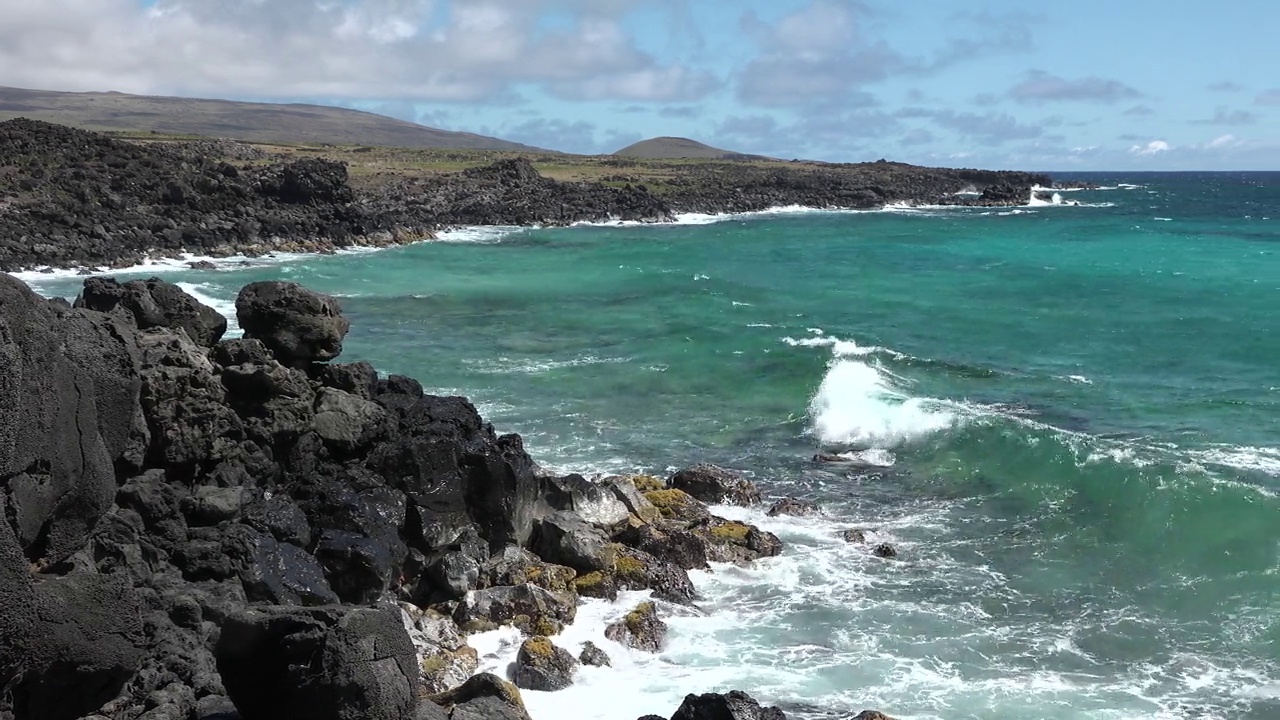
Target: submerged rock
x=640, y=629
x=793, y=506
x=884, y=550
x=594, y=656
x=854, y=535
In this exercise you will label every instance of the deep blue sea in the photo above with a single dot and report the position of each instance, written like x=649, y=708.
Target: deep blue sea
x=1075, y=408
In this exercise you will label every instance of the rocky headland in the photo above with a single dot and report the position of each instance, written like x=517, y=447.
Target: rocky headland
x=77, y=199
x=200, y=528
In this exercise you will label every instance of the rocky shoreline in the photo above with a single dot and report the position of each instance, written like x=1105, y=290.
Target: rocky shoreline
x=198, y=528
x=73, y=199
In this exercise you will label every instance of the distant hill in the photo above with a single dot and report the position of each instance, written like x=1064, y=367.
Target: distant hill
x=674, y=148
x=250, y=122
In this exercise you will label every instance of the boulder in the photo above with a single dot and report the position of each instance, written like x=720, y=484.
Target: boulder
x=715, y=485
x=594, y=656
x=516, y=566
x=640, y=629
x=529, y=607
x=359, y=568
x=346, y=422
x=734, y=705
x=677, y=505
x=595, y=502
x=154, y=303
x=443, y=654
x=540, y=665
x=678, y=547
x=298, y=325
x=332, y=663
x=735, y=542
x=870, y=715
x=794, y=507
x=483, y=697
x=278, y=572
x=566, y=539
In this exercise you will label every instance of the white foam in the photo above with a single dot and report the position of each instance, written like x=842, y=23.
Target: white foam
x=856, y=404
x=506, y=365
x=1243, y=457
x=477, y=234
x=226, y=308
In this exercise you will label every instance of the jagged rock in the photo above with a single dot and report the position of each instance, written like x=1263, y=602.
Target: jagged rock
x=483, y=697
x=594, y=656
x=566, y=539
x=734, y=705
x=345, y=421
x=281, y=518
x=278, y=572
x=360, y=568
x=324, y=663
x=443, y=654
x=596, y=503
x=359, y=379
x=540, y=665
x=870, y=715
x=296, y=324
x=183, y=402
x=154, y=303
x=678, y=547
x=541, y=611
x=208, y=505
x=736, y=542
x=793, y=506
x=715, y=485
x=516, y=566
x=640, y=629
x=677, y=505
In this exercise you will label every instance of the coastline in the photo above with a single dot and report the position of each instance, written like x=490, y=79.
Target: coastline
x=90, y=200
x=226, y=519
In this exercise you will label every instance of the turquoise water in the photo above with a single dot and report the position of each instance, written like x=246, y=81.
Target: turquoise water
x=1081, y=406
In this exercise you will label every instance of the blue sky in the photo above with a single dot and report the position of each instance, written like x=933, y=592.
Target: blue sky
x=1090, y=84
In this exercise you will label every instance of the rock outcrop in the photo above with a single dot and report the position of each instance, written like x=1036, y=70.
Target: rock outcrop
x=197, y=527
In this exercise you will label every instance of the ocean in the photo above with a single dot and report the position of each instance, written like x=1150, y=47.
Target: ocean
x=1065, y=417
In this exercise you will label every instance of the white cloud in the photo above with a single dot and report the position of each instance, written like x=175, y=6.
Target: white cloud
x=1155, y=147
x=413, y=49
x=1223, y=141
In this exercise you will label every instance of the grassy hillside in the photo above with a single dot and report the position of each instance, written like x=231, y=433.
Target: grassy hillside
x=674, y=148
x=250, y=122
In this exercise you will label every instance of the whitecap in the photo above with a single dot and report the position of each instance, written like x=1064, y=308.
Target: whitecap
x=857, y=404
x=204, y=292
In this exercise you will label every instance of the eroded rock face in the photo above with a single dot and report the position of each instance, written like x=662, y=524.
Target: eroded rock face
x=325, y=663
x=296, y=324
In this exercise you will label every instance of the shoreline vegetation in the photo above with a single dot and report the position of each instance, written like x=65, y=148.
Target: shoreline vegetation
x=76, y=199
x=198, y=527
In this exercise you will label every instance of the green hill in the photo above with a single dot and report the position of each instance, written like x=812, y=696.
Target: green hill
x=246, y=121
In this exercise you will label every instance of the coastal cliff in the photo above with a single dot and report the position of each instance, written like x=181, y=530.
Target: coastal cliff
x=74, y=199
x=197, y=527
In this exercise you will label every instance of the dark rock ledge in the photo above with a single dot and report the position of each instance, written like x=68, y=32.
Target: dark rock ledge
x=197, y=528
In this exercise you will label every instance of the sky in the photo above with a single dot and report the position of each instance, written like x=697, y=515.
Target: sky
x=1082, y=85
